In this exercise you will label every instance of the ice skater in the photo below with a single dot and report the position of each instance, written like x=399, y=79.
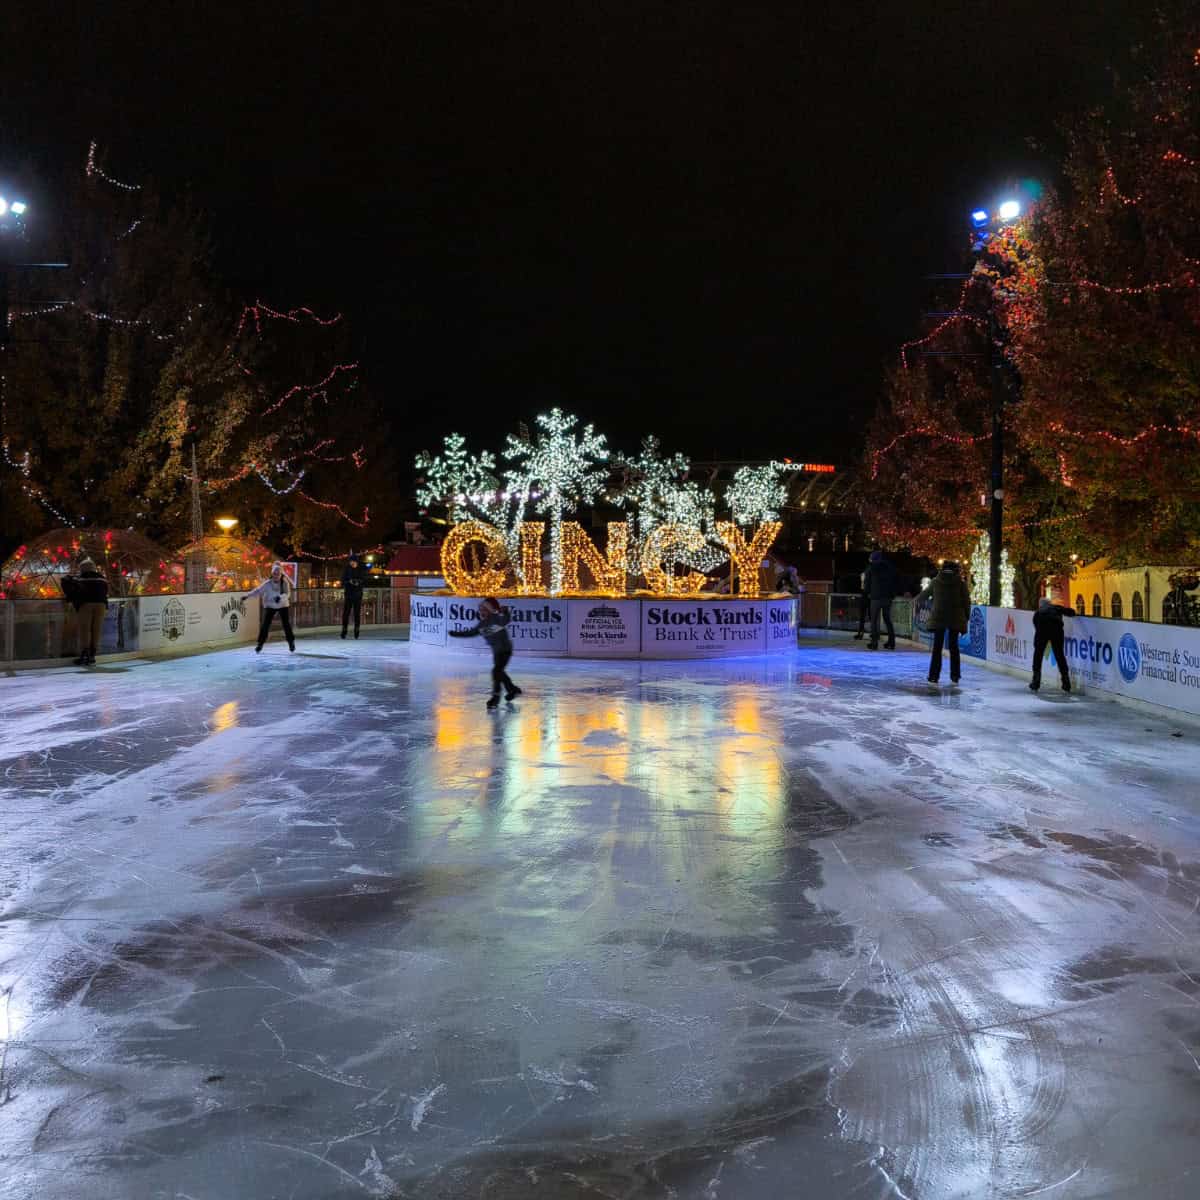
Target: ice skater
x=276, y=593
x=1048, y=631
x=880, y=585
x=354, y=577
x=493, y=628
x=951, y=615
x=88, y=595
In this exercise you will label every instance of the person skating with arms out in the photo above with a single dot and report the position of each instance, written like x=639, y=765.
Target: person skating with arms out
x=276, y=593
x=493, y=628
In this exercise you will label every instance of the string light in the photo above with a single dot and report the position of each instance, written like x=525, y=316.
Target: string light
x=93, y=168
x=483, y=581
x=1117, y=439
x=747, y=556
x=311, y=388
x=1175, y=158
x=337, y=508
x=954, y=319
x=981, y=573
x=665, y=544
x=568, y=468
x=900, y=531
x=755, y=494
x=924, y=431
x=258, y=310
x=531, y=557
x=609, y=572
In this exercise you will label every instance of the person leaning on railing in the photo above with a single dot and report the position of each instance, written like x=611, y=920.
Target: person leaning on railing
x=88, y=594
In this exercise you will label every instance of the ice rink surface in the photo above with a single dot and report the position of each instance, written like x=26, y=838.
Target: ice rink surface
x=317, y=925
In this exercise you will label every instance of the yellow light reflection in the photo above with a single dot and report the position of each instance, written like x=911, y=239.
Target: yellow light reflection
x=225, y=717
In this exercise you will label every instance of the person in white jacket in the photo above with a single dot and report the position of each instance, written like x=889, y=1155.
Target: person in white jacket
x=276, y=595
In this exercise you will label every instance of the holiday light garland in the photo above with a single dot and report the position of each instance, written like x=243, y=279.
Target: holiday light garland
x=93, y=168
x=664, y=545
x=481, y=581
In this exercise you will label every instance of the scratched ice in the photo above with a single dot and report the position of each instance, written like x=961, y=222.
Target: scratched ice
x=318, y=925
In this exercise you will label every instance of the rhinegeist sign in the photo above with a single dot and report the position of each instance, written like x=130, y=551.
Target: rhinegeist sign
x=479, y=559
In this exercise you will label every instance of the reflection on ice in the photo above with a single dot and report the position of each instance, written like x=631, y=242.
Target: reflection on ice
x=320, y=925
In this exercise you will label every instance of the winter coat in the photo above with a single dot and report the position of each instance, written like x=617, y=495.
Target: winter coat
x=492, y=630
x=354, y=579
x=1050, y=620
x=880, y=581
x=90, y=587
x=951, y=601
x=275, y=594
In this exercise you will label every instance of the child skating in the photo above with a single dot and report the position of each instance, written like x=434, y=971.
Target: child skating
x=493, y=628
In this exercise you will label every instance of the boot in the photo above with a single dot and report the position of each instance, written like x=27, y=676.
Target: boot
x=513, y=692
x=343, y=635
x=493, y=701
x=1034, y=684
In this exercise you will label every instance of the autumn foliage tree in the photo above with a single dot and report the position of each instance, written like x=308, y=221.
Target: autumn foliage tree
x=122, y=365
x=1097, y=309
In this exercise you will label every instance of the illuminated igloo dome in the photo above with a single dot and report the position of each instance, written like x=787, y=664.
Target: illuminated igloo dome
x=132, y=564
x=232, y=564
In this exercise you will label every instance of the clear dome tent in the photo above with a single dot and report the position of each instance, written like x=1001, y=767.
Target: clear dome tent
x=231, y=564
x=132, y=564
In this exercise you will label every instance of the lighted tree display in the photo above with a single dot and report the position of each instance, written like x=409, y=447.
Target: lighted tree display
x=135, y=355
x=756, y=494
x=1107, y=338
x=559, y=469
x=465, y=485
x=654, y=492
x=979, y=571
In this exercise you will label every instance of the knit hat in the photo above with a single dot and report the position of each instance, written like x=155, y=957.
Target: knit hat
x=87, y=565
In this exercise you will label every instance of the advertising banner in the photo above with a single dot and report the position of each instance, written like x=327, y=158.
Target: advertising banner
x=781, y=624
x=698, y=628
x=427, y=620
x=972, y=644
x=1156, y=663
x=192, y=620
x=604, y=626
x=534, y=625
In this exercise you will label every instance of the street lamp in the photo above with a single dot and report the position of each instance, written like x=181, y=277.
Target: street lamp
x=226, y=523
x=14, y=208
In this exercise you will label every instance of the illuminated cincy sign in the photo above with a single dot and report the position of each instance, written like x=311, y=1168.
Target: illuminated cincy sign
x=476, y=560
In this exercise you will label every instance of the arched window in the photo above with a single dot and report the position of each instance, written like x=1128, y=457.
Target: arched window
x=1097, y=605
x=1115, y=606
x=1137, y=612
x=1080, y=607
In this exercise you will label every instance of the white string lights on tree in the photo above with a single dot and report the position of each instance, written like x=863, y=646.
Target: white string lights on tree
x=981, y=574
x=566, y=468
x=654, y=492
x=756, y=494
x=93, y=168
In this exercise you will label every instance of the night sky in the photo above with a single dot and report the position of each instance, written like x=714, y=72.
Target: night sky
x=705, y=220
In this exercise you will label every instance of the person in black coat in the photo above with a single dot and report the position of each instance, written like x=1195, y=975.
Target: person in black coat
x=1048, y=631
x=880, y=586
x=88, y=595
x=493, y=628
x=354, y=578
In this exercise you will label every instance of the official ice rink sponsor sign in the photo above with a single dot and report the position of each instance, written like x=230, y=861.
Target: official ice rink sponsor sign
x=603, y=626
x=192, y=620
x=1156, y=663
x=695, y=628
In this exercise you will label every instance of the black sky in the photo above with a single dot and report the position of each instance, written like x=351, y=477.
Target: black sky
x=704, y=220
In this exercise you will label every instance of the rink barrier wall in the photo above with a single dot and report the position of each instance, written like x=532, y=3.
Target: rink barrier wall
x=44, y=632
x=1133, y=661
x=600, y=627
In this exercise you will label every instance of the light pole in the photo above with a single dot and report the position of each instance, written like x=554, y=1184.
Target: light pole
x=983, y=223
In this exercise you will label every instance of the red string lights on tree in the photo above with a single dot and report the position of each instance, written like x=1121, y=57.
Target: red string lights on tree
x=310, y=388
x=925, y=431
